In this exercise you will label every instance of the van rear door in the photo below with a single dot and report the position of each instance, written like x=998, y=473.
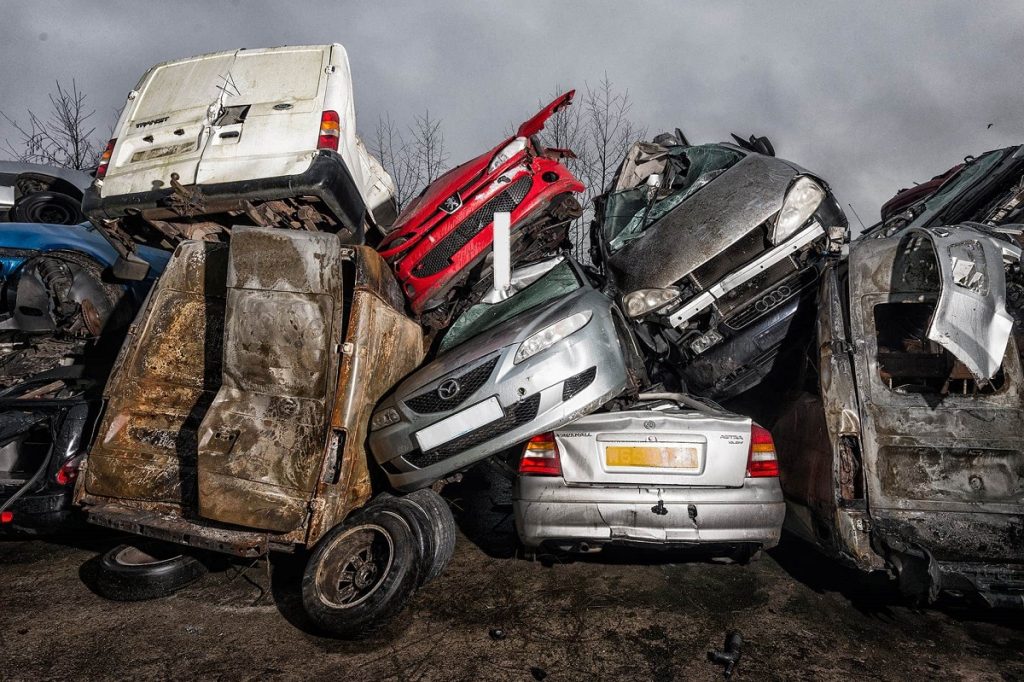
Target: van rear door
x=268, y=120
x=166, y=127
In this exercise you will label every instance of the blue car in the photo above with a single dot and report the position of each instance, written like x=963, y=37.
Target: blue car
x=63, y=317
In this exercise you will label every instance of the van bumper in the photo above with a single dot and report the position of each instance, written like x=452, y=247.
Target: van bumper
x=327, y=178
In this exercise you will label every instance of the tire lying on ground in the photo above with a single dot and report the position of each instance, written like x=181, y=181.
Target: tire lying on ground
x=362, y=572
x=144, y=570
x=47, y=207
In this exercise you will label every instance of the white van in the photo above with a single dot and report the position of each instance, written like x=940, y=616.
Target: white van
x=261, y=137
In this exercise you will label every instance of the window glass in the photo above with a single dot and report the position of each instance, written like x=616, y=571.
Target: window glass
x=627, y=214
x=556, y=283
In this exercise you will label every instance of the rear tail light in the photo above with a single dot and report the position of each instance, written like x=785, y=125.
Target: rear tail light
x=108, y=152
x=761, y=461
x=68, y=471
x=540, y=457
x=6, y=517
x=330, y=131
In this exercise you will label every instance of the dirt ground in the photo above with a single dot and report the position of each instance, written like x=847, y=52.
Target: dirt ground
x=622, y=615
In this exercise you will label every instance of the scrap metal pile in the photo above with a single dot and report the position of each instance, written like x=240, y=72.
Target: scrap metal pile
x=310, y=365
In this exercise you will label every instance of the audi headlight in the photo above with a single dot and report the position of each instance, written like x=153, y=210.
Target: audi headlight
x=802, y=200
x=552, y=334
x=508, y=151
x=642, y=301
x=384, y=418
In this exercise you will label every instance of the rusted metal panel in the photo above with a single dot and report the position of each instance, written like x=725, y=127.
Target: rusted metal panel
x=940, y=466
x=262, y=440
x=165, y=377
x=382, y=346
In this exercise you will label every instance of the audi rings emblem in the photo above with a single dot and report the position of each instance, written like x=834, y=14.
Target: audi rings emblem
x=772, y=299
x=448, y=389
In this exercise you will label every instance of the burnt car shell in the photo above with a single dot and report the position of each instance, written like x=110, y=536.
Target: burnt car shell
x=206, y=441
x=904, y=459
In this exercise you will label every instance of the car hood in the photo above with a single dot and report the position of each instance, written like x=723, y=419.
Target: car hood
x=84, y=238
x=705, y=225
x=512, y=331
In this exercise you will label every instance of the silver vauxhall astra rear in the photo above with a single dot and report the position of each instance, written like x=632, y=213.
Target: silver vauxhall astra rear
x=661, y=475
x=554, y=350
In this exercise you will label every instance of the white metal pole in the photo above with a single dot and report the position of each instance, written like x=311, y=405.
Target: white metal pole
x=502, y=252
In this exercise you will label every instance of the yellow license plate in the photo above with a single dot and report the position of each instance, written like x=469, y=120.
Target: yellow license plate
x=672, y=457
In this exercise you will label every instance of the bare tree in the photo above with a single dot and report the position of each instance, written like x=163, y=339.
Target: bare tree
x=398, y=159
x=64, y=137
x=428, y=147
x=609, y=131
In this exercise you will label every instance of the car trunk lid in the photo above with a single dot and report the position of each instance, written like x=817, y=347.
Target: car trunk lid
x=655, y=448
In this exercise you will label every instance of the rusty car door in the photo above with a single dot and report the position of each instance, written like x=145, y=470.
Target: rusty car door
x=261, y=442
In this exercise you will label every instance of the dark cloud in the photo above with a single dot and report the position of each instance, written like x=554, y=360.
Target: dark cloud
x=872, y=95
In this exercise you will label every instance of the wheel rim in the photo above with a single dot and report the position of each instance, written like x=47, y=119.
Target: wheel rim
x=354, y=566
x=52, y=213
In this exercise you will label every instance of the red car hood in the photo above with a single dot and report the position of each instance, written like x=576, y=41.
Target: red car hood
x=458, y=177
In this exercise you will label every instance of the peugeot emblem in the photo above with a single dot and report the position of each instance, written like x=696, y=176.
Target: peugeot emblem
x=448, y=389
x=451, y=204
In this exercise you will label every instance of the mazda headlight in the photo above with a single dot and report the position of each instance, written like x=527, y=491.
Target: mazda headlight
x=508, y=151
x=642, y=301
x=802, y=200
x=385, y=417
x=552, y=334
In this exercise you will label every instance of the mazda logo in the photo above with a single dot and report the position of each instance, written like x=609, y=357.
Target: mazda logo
x=448, y=389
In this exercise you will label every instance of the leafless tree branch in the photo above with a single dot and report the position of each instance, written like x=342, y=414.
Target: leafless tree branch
x=65, y=137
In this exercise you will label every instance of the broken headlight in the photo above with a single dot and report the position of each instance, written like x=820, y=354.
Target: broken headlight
x=552, y=334
x=802, y=200
x=384, y=418
x=508, y=151
x=642, y=301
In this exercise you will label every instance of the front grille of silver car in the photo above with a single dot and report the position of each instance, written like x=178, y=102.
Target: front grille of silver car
x=440, y=257
x=468, y=383
x=575, y=384
x=516, y=415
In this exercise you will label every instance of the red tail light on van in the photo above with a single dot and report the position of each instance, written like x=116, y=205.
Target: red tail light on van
x=761, y=461
x=540, y=457
x=330, y=131
x=108, y=152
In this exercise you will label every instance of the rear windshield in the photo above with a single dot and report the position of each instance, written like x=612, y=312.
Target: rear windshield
x=629, y=212
x=248, y=79
x=957, y=184
x=555, y=283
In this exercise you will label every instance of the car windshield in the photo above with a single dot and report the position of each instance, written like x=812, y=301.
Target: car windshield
x=626, y=213
x=961, y=181
x=553, y=284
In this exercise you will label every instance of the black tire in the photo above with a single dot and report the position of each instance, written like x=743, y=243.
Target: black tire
x=47, y=207
x=362, y=573
x=441, y=526
x=145, y=570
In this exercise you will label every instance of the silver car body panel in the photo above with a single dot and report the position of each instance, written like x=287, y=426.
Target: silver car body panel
x=78, y=179
x=597, y=504
x=970, y=319
x=711, y=220
x=531, y=393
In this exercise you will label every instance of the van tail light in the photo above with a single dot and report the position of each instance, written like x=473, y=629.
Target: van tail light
x=330, y=131
x=761, y=461
x=540, y=457
x=6, y=517
x=108, y=152
x=68, y=471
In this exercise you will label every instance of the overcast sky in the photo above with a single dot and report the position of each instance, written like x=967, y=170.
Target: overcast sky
x=871, y=95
